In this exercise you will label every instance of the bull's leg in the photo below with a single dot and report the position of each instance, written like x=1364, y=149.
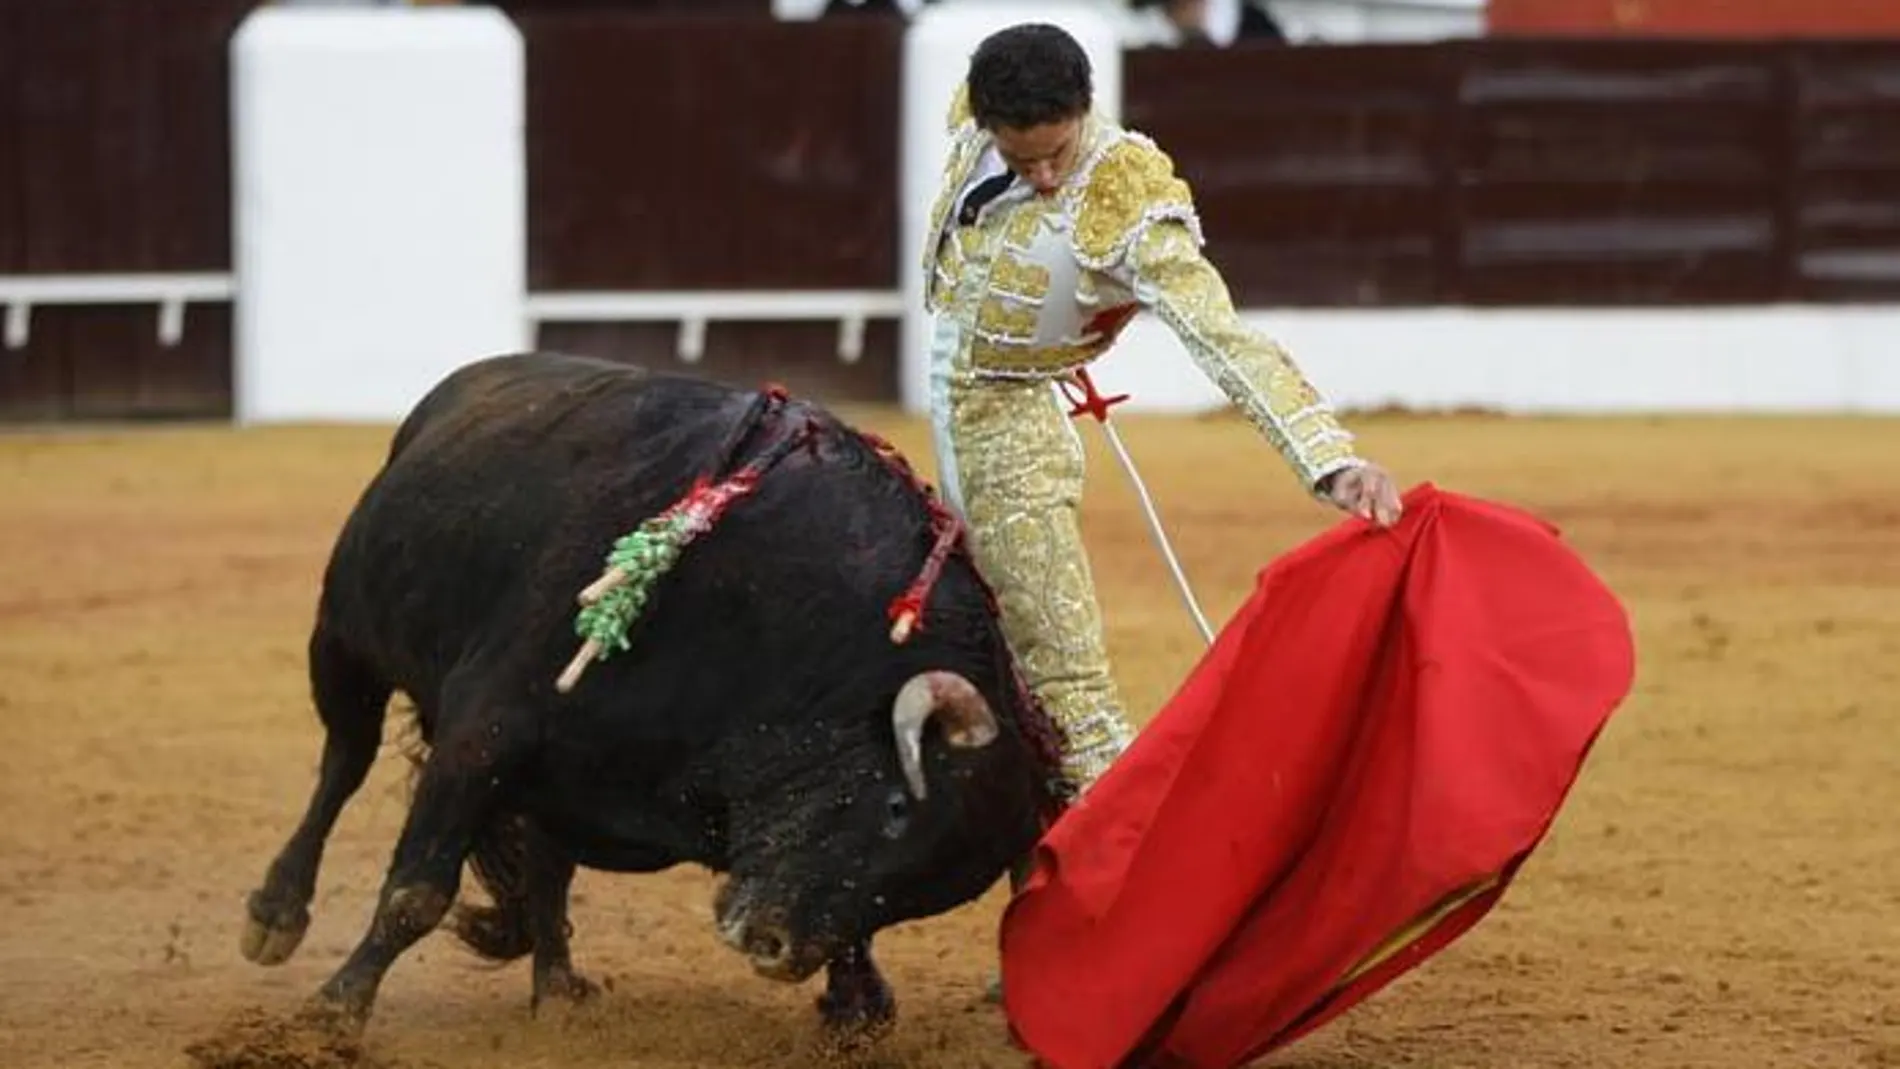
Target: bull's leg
x=857, y=1000
x=550, y=875
x=476, y=752
x=527, y=874
x=351, y=700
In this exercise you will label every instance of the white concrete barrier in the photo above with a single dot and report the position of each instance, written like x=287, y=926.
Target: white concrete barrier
x=1767, y=358
x=379, y=203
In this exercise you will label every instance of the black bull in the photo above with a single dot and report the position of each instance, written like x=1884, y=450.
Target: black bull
x=762, y=723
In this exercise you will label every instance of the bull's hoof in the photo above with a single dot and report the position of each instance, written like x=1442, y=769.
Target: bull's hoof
x=327, y=1014
x=857, y=1008
x=842, y=1040
x=560, y=984
x=273, y=930
x=344, y=1003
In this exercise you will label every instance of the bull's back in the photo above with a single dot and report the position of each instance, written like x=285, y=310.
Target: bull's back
x=516, y=390
x=511, y=475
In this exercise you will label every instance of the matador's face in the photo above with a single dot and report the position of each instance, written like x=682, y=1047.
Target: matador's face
x=1042, y=155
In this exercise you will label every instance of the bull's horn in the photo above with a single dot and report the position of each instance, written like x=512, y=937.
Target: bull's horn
x=955, y=702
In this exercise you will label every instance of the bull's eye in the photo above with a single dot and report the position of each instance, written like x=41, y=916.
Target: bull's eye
x=896, y=813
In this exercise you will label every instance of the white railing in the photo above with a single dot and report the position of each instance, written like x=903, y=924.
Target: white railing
x=850, y=309
x=171, y=292
x=693, y=311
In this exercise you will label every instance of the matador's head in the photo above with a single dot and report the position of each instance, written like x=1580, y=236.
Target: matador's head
x=1031, y=85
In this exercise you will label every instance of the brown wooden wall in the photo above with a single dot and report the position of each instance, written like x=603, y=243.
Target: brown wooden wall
x=1525, y=172
x=713, y=151
x=115, y=157
x=710, y=152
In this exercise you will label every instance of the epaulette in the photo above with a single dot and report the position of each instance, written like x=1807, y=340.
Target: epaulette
x=1130, y=184
x=959, y=108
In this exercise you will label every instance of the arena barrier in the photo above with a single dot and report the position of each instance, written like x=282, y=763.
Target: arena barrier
x=1529, y=225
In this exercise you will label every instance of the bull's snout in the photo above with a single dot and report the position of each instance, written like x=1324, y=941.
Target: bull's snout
x=769, y=948
x=772, y=951
x=761, y=934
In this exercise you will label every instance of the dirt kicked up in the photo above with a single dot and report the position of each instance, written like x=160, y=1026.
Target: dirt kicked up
x=1722, y=890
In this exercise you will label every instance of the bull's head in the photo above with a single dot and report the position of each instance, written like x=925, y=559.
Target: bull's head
x=879, y=848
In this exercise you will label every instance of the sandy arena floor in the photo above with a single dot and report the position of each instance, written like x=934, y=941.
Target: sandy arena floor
x=1723, y=889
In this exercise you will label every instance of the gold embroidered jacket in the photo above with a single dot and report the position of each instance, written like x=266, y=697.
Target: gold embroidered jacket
x=1044, y=284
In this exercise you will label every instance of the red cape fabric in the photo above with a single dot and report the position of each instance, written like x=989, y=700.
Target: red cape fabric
x=1346, y=782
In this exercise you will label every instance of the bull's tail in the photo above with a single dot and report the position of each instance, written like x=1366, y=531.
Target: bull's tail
x=499, y=862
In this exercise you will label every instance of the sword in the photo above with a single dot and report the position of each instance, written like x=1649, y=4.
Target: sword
x=1079, y=390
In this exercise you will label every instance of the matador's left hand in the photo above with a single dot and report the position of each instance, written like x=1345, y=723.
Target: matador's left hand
x=1368, y=492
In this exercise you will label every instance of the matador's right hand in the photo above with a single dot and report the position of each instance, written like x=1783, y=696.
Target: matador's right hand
x=1366, y=491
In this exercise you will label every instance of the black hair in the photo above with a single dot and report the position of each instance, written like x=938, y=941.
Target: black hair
x=1029, y=75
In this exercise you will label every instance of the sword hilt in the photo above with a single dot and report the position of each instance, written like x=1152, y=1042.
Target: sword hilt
x=1084, y=398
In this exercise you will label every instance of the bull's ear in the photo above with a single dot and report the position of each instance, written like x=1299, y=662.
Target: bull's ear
x=957, y=706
